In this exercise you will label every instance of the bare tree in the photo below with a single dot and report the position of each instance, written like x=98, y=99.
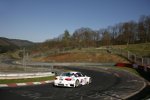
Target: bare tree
x=66, y=38
x=106, y=39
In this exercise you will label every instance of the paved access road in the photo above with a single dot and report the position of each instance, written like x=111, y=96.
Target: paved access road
x=103, y=87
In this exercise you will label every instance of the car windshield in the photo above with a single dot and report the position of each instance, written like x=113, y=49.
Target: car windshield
x=66, y=74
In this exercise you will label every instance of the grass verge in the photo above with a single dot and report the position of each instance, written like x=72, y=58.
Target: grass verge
x=39, y=79
x=131, y=70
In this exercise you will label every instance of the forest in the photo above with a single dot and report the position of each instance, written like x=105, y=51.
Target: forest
x=131, y=32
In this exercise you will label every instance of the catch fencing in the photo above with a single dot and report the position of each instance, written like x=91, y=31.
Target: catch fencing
x=133, y=58
x=144, y=61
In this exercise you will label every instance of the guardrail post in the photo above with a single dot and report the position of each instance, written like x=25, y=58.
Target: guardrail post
x=148, y=61
x=128, y=55
x=142, y=60
x=52, y=67
x=135, y=58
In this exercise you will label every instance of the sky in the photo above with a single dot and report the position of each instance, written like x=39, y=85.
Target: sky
x=39, y=20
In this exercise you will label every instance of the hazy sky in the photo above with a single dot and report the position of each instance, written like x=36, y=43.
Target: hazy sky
x=38, y=20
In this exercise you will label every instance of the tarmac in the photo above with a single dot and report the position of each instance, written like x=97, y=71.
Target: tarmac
x=127, y=81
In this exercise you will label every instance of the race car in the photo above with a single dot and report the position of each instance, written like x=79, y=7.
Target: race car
x=72, y=79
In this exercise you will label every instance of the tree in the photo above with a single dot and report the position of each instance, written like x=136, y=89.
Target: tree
x=141, y=30
x=144, y=29
x=66, y=38
x=122, y=33
x=106, y=39
x=129, y=32
x=147, y=28
x=85, y=37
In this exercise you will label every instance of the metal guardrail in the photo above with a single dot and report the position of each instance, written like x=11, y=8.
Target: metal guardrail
x=24, y=75
x=133, y=58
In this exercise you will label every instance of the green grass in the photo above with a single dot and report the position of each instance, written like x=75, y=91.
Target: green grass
x=141, y=49
x=128, y=69
x=8, y=81
x=131, y=70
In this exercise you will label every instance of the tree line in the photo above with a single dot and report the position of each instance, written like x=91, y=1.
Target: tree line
x=130, y=32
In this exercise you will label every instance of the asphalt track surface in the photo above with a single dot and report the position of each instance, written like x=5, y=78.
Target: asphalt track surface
x=99, y=89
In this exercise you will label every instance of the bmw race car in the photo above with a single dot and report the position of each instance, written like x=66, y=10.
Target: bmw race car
x=72, y=79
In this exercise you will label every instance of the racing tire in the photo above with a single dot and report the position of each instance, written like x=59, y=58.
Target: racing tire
x=77, y=83
x=90, y=81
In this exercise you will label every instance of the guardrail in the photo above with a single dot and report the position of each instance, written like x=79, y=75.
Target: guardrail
x=133, y=58
x=25, y=75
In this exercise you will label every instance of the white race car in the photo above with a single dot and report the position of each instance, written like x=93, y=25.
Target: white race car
x=72, y=79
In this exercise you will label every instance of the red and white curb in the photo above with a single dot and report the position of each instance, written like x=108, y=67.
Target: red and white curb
x=25, y=84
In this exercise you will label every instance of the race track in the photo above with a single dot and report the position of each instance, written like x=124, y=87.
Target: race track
x=102, y=88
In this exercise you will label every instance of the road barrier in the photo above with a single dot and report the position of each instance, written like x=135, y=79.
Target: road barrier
x=142, y=62
x=25, y=75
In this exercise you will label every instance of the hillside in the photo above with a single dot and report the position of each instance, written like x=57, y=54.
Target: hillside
x=141, y=49
x=90, y=54
x=5, y=42
x=12, y=44
x=79, y=55
x=15, y=42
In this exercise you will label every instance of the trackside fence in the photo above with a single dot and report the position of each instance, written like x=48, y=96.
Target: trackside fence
x=133, y=58
x=144, y=61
